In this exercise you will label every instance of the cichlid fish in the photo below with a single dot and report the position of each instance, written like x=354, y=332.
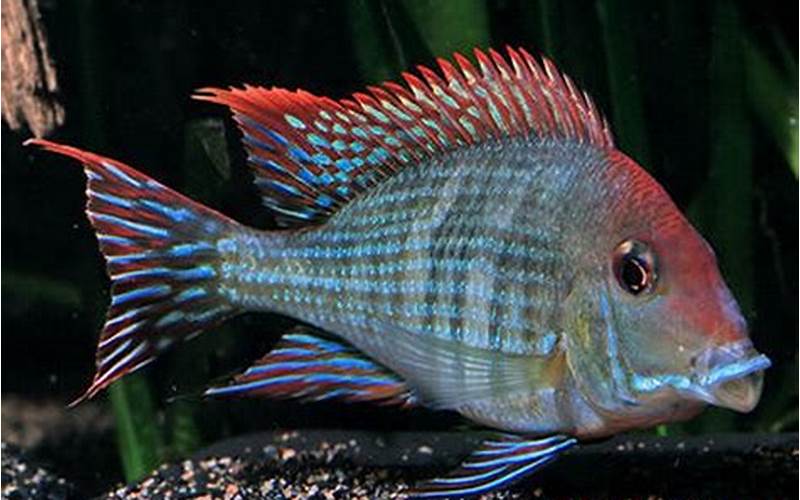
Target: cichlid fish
x=471, y=241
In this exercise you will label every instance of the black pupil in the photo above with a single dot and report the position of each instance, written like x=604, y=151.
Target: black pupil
x=634, y=274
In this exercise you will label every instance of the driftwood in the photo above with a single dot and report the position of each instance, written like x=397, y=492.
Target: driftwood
x=29, y=83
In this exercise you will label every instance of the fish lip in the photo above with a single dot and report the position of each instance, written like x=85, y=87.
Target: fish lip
x=730, y=376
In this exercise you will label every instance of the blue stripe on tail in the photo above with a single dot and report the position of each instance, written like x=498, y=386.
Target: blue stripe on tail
x=161, y=256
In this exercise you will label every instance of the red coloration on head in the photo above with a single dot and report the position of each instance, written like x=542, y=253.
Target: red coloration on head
x=698, y=294
x=694, y=292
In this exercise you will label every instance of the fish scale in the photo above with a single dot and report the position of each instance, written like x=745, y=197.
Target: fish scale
x=487, y=295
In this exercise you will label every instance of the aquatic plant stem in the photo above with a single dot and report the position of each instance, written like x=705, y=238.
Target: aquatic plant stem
x=138, y=438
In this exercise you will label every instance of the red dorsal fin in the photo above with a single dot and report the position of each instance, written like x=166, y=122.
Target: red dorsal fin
x=312, y=154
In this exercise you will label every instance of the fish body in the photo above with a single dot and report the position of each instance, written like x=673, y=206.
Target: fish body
x=473, y=242
x=451, y=252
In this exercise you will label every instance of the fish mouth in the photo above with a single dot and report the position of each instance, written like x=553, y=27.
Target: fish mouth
x=730, y=376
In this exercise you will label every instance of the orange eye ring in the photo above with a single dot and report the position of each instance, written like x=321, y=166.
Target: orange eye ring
x=634, y=267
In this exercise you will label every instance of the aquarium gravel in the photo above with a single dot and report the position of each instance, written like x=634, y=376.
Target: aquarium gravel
x=23, y=480
x=276, y=472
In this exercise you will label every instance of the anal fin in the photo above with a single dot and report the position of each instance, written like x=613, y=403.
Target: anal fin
x=494, y=465
x=307, y=367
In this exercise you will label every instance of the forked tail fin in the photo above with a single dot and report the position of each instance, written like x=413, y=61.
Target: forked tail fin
x=161, y=255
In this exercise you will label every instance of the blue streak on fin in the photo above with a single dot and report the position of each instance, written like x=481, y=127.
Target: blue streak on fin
x=496, y=464
x=162, y=258
x=309, y=368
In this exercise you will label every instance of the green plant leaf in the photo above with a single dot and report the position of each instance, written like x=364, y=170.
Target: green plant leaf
x=772, y=95
x=138, y=436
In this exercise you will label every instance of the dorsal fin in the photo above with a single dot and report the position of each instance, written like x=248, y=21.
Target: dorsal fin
x=312, y=154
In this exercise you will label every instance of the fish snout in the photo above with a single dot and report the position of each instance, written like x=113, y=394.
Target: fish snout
x=730, y=375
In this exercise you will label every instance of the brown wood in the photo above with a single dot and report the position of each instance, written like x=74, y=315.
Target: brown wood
x=29, y=83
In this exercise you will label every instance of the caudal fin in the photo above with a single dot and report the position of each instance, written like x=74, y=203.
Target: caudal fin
x=161, y=255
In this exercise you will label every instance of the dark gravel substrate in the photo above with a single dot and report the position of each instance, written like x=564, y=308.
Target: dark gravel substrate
x=23, y=480
x=78, y=444
x=337, y=464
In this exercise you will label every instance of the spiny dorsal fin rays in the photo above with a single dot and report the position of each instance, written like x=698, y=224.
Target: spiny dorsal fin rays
x=312, y=154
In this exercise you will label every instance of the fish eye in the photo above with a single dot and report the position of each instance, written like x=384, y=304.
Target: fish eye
x=634, y=267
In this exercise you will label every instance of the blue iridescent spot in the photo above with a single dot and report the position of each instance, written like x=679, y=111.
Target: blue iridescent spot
x=344, y=164
x=196, y=273
x=324, y=201
x=277, y=137
x=114, y=200
x=134, y=226
x=396, y=112
x=318, y=141
x=381, y=117
x=269, y=164
x=140, y=293
x=467, y=124
x=356, y=147
x=121, y=175
x=294, y=121
x=392, y=141
x=284, y=188
x=264, y=130
x=377, y=156
x=322, y=159
x=190, y=294
x=175, y=214
x=307, y=176
x=299, y=154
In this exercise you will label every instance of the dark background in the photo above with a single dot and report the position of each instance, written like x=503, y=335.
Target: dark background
x=684, y=85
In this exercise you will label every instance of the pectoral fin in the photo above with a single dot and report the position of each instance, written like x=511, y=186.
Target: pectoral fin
x=495, y=464
x=310, y=368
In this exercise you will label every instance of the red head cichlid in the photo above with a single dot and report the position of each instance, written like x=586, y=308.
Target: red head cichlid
x=471, y=240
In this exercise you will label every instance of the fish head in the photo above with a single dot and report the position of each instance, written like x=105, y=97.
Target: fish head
x=661, y=327
x=680, y=329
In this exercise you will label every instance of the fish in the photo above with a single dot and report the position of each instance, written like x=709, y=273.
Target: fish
x=470, y=239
